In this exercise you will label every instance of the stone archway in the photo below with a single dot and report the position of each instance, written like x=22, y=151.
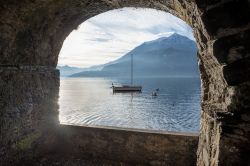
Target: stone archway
x=31, y=36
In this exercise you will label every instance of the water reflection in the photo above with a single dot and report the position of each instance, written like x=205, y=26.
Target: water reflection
x=91, y=101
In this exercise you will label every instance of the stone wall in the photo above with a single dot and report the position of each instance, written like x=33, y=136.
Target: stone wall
x=32, y=33
x=132, y=146
x=29, y=111
x=225, y=136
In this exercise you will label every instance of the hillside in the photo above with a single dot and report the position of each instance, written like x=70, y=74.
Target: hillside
x=173, y=56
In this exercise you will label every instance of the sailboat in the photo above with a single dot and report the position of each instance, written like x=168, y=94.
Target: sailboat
x=128, y=88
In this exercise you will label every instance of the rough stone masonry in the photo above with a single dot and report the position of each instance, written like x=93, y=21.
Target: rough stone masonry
x=32, y=33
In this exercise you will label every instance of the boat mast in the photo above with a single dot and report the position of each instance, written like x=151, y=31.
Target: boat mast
x=131, y=69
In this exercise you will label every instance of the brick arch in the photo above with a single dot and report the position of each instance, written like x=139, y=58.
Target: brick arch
x=32, y=33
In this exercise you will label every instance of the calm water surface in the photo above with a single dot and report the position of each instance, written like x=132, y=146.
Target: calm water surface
x=91, y=101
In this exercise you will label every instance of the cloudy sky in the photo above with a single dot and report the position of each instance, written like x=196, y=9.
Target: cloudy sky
x=110, y=35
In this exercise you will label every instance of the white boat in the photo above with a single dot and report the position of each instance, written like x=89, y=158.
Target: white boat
x=128, y=88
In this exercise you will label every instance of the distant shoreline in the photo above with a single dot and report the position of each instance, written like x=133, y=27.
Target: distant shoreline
x=134, y=78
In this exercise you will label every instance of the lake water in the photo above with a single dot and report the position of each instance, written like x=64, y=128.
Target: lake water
x=90, y=101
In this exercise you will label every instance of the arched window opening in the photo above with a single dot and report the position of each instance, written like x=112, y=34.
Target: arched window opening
x=99, y=54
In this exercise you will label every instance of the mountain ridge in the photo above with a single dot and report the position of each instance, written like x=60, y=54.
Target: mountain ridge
x=167, y=56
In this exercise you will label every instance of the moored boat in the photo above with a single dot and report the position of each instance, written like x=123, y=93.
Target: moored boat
x=128, y=88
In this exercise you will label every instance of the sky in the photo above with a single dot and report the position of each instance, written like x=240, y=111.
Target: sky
x=110, y=35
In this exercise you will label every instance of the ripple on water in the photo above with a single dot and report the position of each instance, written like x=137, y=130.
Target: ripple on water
x=90, y=101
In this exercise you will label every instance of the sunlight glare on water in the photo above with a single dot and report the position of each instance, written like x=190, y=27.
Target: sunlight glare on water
x=90, y=101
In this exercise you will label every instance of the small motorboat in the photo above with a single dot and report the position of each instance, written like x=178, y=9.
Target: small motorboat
x=154, y=94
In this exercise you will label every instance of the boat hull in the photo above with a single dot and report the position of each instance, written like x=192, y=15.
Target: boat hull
x=127, y=88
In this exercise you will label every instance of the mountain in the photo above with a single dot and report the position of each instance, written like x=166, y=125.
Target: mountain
x=173, y=56
x=66, y=71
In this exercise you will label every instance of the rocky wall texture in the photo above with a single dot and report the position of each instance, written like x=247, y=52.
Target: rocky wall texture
x=224, y=66
x=135, y=147
x=32, y=33
x=28, y=111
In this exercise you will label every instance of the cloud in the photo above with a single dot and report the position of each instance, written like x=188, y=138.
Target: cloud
x=110, y=35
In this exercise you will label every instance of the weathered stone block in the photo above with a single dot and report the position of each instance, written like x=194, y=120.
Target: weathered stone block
x=28, y=110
